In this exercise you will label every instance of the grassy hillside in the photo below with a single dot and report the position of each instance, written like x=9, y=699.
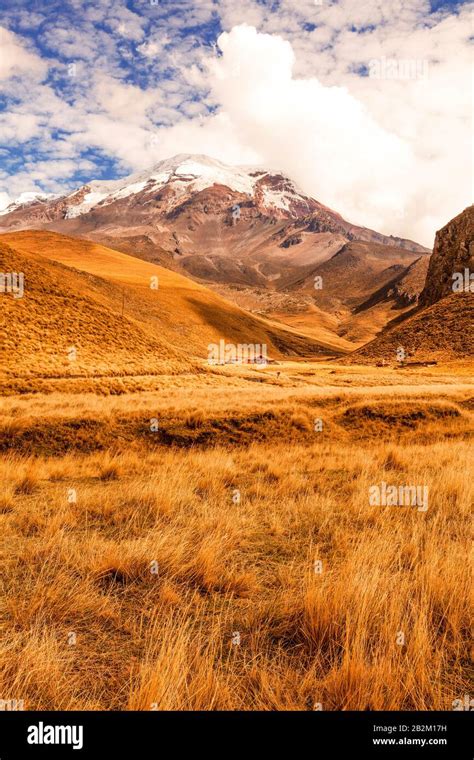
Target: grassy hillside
x=441, y=332
x=123, y=315
x=70, y=323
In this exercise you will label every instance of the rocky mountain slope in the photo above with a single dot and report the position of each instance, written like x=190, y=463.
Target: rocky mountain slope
x=441, y=326
x=453, y=253
x=443, y=331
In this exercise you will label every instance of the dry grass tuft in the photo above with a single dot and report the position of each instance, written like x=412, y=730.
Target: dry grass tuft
x=28, y=484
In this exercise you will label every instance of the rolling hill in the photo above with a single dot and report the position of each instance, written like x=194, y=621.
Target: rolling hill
x=121, y=314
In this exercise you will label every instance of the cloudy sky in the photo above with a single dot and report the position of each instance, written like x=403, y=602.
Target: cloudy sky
x=366, y=104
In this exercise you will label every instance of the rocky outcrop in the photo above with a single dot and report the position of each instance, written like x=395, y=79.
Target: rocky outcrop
x=441, y=327
x=453, y=254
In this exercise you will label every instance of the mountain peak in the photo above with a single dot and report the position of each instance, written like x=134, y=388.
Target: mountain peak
x=187, y=174
x=197, y=159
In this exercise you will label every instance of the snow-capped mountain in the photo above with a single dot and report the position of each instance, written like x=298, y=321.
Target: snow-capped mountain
x=185, y=175
x=194, y=187
x=234, y=226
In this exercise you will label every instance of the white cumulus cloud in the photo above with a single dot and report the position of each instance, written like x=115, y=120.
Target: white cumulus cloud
x=390, y=154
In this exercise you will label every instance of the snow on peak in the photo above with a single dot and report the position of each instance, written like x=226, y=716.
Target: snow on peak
x=186, y=173
x=24, y=199
x=198, y=171
x=199, y=162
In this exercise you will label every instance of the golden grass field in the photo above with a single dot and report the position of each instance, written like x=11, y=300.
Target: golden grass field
x=230, y=558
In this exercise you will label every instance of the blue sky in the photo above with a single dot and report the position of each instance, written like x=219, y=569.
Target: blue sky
x=93, y=90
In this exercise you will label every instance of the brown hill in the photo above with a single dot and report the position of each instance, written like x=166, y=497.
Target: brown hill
x=99, y=301
x=357, y=271
x=406, y=290
x=69, y=323
x=364, y=286
x=443, y=331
